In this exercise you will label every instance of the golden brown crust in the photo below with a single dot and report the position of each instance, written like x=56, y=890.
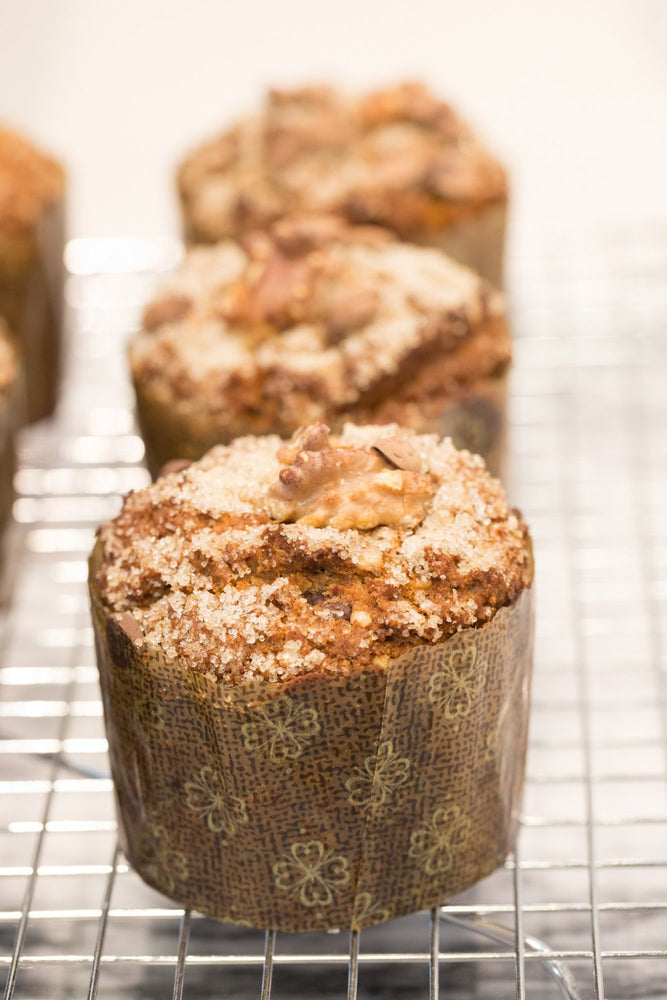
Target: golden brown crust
x=313, y=320
x=222, y=574
x=400, y=157
x=30, y=182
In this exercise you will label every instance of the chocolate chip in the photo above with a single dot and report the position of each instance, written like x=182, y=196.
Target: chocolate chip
x=333, y=608
x=339, y=609
x=399, y=453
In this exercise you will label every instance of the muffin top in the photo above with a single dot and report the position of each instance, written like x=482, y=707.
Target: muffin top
x=314, y=319
x=400, y=157
x=271, y=559
x=29, y=182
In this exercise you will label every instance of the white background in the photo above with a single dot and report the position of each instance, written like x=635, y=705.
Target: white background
x=572, y=94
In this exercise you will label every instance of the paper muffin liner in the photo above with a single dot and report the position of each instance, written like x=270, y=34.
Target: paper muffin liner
x=326, y=801
x=12, y=413
x=477, y=421
x=31, y=296
x=476, y=240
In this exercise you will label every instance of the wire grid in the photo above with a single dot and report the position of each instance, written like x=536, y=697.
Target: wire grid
x=581, y=911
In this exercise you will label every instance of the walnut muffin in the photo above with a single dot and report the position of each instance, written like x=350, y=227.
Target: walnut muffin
x=315, y=663
x=32, y=189
x=317, y=320
x=399, y=157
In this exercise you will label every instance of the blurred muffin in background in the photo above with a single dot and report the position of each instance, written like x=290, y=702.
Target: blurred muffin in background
x=316, y=320
x=398, y=157
x=32, y=187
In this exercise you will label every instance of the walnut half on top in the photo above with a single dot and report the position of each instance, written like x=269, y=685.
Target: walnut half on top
x=324, y=483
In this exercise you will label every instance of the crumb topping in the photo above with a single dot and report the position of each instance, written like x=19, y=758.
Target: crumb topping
x=312, y=320
x=400, y=157
x=29, y=182
x=240, y=573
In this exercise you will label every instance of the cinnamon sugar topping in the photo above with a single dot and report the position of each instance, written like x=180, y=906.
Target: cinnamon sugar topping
x=272, y=560
x=400, y=157
x=315, y=320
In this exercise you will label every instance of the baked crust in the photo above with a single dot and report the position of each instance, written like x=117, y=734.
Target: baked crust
x=399, y=157
x=314, y=320
x=29, y=183
x=265, y=561
x=31, y=266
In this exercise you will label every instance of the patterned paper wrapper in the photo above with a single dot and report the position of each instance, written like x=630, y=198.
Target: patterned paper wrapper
x=12, y=413
x=324, y=802
x=476, y=421
x=477, y=240
x=31, y=295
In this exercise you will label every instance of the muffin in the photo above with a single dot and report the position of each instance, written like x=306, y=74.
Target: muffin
x=11, y=416
x=318, y=320
x=399, y=157
x=31, y=263
x=315, y=659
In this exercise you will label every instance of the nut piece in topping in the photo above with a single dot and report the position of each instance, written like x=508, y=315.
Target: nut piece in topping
x=168, y=309
x=349, y=309
x=399, y=453
x=130, y=626
x=313, y=437
x=300, y=235
x=175, y=465
x=347, y=488
x=276, y=293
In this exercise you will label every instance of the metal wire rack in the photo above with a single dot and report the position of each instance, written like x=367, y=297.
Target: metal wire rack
x=581, y=909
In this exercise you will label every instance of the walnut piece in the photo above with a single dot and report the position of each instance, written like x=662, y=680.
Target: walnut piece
x=349, y=309
x=399, y=453
x=168, y=309
x=297, y=235
x=313, y=437
x=275, y=289
x=130, y=626
x=345, y=488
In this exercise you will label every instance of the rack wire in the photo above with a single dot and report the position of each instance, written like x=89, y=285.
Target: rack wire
x=580, y=911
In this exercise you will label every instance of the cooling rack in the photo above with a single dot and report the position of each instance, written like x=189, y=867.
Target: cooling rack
x=580, y=911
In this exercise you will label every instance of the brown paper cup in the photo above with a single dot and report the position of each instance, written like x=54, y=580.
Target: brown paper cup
x=325, y=802
x=12, y=412
x=477, y=240
x=31, y=295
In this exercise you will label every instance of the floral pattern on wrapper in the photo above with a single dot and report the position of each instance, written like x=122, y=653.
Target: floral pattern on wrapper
x=284, y=729
x=435, y=845
x=381, y=774
x=162, y=861
x=311, y=873
x=368, y=911
x=456, y=688
x=209, y=798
